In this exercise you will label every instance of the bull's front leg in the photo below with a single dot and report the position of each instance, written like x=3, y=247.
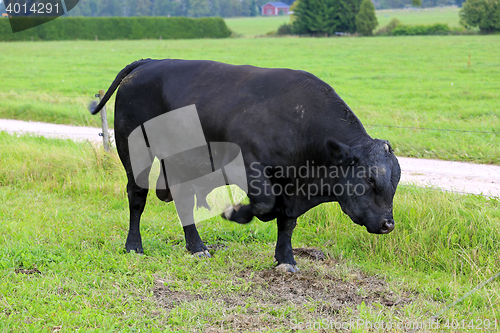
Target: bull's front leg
x=184, y=203
x=284, y=251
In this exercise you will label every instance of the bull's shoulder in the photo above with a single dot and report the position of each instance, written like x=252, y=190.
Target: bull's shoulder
x=313, y=80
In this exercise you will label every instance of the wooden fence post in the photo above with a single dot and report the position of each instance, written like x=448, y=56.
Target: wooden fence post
x=104, y=123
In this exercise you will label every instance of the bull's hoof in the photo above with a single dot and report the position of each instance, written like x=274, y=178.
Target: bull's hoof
x=287, y=268
x=202, y=254
x=226, y=214
x=137, y=248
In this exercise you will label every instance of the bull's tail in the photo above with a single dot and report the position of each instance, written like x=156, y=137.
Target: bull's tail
x=94, y=108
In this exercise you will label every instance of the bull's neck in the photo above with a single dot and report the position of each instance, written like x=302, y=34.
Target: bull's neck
x=351, y=132
x=348, y=127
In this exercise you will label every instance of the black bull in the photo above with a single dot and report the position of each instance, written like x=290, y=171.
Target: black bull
x=283, y=121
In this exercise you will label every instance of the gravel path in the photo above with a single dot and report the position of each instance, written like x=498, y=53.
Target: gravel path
x=450, y=176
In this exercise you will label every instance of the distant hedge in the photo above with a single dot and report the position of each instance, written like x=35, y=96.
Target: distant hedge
x=108, y=28
x=410, y=30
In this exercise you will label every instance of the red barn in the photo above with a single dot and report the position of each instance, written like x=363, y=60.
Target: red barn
x=275, y=8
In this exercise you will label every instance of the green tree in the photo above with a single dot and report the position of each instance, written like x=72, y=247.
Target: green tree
x=314, y=16
x=230, y=8
x=109, y=8
x=484, y=14
x=346, y=15
x=86, y=8
x=143, y=8
x=366, y=20
x=325, y=17
x=293, y=8
x=254, y=10
x=162, y=8
x=198, y=8
x=129, y=7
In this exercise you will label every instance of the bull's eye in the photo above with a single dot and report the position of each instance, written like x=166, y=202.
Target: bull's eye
x=370, y=181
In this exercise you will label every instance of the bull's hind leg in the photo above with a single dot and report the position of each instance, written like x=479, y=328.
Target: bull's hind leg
x=136, y=194
x=137, y=201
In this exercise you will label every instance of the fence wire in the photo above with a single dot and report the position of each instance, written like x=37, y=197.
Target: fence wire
x=433, y=129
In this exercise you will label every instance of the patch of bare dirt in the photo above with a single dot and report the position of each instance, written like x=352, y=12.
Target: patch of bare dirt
x=28, y=271
x=334, y=292
x=170, y=298
x=324, y=286
x=309, y=253
x=216, y=247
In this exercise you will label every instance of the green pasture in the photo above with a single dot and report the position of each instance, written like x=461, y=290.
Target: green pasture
x=255, y=26
x=447, y=15
x=439, y=82
x=64, y=219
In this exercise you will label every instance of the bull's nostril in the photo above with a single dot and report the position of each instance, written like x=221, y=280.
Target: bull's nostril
x=387, y=226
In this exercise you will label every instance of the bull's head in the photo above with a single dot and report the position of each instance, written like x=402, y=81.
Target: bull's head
x=370, y=176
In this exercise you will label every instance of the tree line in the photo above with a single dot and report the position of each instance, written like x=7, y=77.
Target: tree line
x=190, y=8
x=203, y=8
x=390, y=4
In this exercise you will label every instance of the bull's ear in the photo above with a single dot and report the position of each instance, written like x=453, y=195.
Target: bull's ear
x=338, y=152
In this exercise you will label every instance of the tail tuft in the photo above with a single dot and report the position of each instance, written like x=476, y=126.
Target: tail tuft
x=93, y=107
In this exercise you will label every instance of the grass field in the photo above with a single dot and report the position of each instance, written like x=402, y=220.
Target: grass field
x=259, y=26
x=443, y=82
x=448, y=15
x=255, y=26
x=63, y=222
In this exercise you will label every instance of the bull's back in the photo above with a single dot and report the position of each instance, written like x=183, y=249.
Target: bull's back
x=272, y=114
x=234, y=103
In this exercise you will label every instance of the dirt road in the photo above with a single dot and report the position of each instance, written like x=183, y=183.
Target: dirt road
x=450, y=176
